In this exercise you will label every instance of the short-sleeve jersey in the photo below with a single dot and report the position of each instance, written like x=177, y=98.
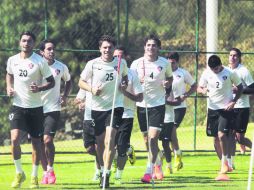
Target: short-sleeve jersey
x=104, y=74
x=26, y=71
x=181, y=77
x=169, y=112
x=51, y=97
x=219, y=87
x=134, y=87
x=154, y=73
x=83, y=94
x=246, y=78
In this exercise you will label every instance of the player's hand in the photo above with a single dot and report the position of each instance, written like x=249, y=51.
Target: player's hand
x=230, y=106
x=34, y=87
x=97, y=90
x=63, y=100
x=234, y=89
x=166, y=84
x=10, y=91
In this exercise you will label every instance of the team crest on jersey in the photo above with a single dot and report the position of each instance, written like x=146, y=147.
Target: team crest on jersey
x=224, y=77
x=11, y=116
x=178, y=76
x=57, y=71
x=159, y=68
x=30, y=65
x=115, y=67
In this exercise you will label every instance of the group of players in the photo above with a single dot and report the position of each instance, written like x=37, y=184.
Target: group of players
x=109, y=93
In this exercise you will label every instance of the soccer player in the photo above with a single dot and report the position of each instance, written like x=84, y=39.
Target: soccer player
x=217, y=81
x=133, y=94
x=242, y=106
x=52, y=102
x=166, y=133
x=99, y=78
x=83, y=99
x=181, y=78
x=25, y=73
x=155, y=74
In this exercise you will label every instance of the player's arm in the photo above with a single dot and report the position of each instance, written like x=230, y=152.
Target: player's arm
x=134, y=97
x=173, y=102
x=238, y=93
x=85, y=86
x=50, y=83
x=249, y=89
x=67, y=90
x=9, y=84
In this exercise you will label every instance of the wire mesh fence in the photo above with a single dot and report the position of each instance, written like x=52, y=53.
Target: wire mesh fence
x=77, y=25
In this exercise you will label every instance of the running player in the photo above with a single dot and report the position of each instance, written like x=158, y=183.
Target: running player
x=181, y=78
x=99, y=78
x=155, y=74
x=133, y=94
x=52, y=102
x=25, y=72
x=242, y=106
x=217, y=82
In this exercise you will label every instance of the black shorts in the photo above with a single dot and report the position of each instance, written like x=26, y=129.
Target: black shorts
x=155, y=117
x=179, y=115
x=166, y=132
x=218, y=120
x=123, y=134
x=50, y=123
x=88, y=133
x=102, y=120
x=241, y=119
x=29, y=120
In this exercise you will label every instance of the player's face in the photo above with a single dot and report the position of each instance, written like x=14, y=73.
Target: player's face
x=26, y=44
x=174, y=64
x=107, y=50
x=233, y=58
x=151, y=48
x=49, y=51
x=118, y=52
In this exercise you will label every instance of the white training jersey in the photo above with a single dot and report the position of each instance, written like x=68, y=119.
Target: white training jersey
x=26, y=71
x=246, y=78
x=103, y=74
x=134, y=87
x=181, y=77
x=169, y=112
x=87, y=96
x=154, y=74
x=219, y=87
x=81, y=94
x=51, y=98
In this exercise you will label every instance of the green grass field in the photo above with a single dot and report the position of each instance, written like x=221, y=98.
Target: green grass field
x=76, y=171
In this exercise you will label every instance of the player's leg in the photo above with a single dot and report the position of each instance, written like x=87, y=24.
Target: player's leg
x=179, y=115
x=18, y=130
x=35, y=119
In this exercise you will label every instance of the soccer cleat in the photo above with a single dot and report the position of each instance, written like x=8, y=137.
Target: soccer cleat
x=178, y=162
x=18, y=180
x=169, y=170
x=106, y=182
x=146, y=178
x=96, y=176
x=132, y=155
x=34, y=183
x=222, y=177
x=158, y=172
x=224, y=169
x=45, y=179
x=51, y=177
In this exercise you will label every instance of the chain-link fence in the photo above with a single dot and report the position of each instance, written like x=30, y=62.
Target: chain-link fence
x=77, y=25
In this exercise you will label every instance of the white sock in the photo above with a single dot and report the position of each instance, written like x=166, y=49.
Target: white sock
x=149, y=168
x=229, y=162
x=49, y=168
x=158, y=159
x=102, y=169
x=119, y=173
x=223, y=160
x=232, y=160
x=177, y=152
x=18, y=166
x=35, y=170
x=108, y=171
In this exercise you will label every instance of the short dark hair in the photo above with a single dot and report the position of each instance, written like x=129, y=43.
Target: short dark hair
x=153, y=37
x=173, y=55
x=107, y=38
x=214, y=61
x=44, y=42
x=238, y=52
x=122, y=48
x=28, y=33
